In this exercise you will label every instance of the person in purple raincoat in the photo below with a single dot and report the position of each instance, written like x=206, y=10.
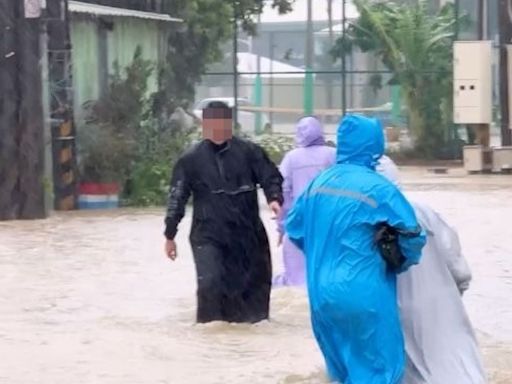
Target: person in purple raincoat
x=299, y=167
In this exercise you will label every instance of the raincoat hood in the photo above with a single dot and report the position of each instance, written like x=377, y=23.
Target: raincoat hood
x=309, y=132
x=360, y=141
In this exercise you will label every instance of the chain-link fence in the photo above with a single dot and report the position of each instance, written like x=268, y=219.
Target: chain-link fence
x=280, y=77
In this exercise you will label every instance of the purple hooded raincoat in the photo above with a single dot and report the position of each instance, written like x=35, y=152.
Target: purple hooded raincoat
x=299, y=167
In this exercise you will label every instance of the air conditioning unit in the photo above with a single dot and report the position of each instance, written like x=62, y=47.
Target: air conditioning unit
x=502, y=159
x=477, y=159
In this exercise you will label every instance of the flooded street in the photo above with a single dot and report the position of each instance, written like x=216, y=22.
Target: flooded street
x=90, y=298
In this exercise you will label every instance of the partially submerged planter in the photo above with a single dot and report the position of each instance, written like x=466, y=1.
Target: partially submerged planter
x=98, y=195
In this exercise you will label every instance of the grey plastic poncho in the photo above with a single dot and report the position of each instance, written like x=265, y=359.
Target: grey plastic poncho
x=440, y=342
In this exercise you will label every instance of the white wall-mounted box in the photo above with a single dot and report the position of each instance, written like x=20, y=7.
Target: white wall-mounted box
x=472, y=82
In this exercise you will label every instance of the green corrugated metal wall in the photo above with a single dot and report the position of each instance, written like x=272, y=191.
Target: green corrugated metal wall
x=84, y=40
x=127, y=34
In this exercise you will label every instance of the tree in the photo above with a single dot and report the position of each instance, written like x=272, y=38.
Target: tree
x=416, y=46
x=207, y=25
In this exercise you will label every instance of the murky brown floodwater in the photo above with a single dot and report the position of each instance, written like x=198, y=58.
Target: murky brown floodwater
x=90, y=298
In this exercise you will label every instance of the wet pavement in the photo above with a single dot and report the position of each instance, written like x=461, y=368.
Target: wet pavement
x=90, y=298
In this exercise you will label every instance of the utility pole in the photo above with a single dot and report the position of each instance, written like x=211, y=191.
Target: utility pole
x=235, y=63
x=457, y=15
x=61, y=105
x=31, y=117
x=272, y=47
x=483, y=134
x=343, y=58
x=9, y=100
x=309, y=56
x=309, y=37
x=258, y=86
x=482, y=19
x=329, y=79
x=505, y=30
x=21, y=112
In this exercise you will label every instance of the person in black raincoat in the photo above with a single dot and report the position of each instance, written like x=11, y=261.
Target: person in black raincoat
x=229, y=242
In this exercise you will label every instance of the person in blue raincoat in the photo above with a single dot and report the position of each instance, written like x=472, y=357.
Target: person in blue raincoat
x=352, y=290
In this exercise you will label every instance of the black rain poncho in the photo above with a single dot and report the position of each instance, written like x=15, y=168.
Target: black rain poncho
x=228, y=239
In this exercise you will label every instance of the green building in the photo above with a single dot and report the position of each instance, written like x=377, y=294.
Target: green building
x=103, y=35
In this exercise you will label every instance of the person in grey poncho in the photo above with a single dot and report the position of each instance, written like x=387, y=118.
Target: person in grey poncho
x=440, y=342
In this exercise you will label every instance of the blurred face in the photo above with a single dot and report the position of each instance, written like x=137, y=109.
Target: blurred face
x=217, y=125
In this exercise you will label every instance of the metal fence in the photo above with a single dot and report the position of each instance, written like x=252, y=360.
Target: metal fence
x=280, y=74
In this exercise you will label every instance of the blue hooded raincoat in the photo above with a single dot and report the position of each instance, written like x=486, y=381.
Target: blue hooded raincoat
x=352, y=293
